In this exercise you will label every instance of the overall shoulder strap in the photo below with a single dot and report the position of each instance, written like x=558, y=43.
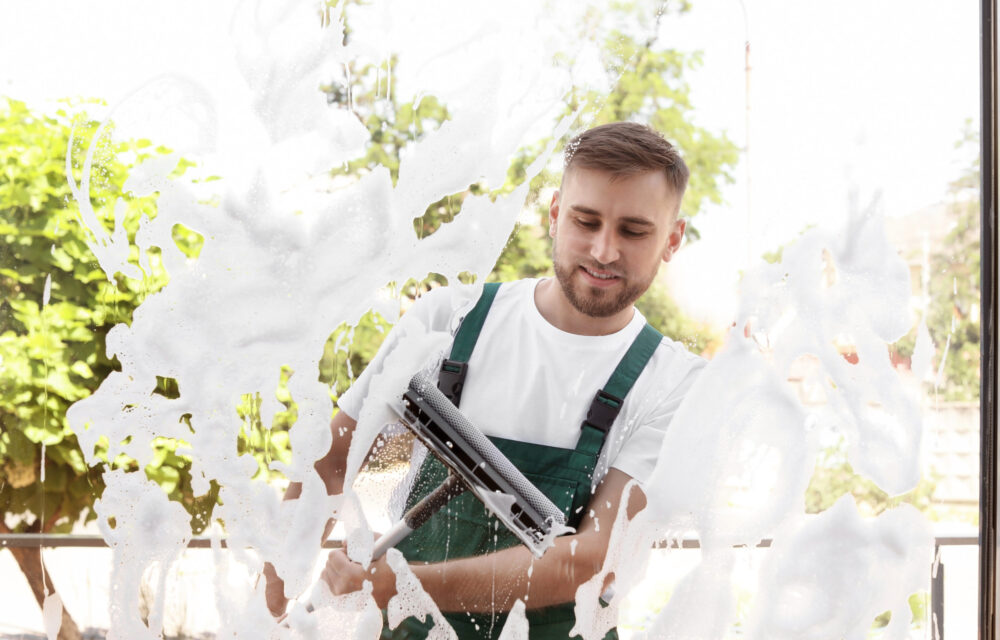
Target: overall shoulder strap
x=608, y=402
x=453, y=369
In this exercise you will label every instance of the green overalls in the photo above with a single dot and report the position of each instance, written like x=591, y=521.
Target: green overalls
x=464, y=527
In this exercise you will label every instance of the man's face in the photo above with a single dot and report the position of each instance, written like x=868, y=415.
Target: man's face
x=609, y=237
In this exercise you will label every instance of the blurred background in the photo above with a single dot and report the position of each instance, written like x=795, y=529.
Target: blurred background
x=792, y=116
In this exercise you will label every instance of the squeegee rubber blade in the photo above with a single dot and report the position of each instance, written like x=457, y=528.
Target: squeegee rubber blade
x=480, y=463
x=459, y=427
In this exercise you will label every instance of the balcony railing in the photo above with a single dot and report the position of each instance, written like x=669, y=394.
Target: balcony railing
x=937, y=570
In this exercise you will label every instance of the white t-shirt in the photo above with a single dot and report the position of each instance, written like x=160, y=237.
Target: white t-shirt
x=529, y=381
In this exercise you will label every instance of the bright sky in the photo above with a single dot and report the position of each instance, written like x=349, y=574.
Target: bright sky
x=847, y=95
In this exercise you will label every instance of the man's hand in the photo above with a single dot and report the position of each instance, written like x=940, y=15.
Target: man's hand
x=344, y=576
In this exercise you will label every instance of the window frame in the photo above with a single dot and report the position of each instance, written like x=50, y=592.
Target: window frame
x=988, y=309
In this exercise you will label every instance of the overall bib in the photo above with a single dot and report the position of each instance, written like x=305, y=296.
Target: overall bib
x=464, y=527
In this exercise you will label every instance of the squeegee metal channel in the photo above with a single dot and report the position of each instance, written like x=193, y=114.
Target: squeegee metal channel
x=530, y=530
x=436, y=434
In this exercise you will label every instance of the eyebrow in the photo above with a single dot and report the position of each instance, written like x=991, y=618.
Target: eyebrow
x=629, y=219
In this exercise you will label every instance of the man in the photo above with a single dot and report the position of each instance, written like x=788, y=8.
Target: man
x=545, y=347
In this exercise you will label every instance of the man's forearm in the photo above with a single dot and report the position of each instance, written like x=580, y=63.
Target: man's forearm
x=331, y=468
x=495, y=581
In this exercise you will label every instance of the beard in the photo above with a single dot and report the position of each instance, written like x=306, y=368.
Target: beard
x=594, y=301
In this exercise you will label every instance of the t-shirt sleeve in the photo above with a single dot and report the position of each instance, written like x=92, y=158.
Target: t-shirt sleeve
x=432, y=312
x=639, y=452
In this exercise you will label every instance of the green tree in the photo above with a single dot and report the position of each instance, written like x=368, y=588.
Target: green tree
x=57, y=307
x=647, y=83
x=955, y=290
x=834, y=476
x=952, y=320
x=57, y=304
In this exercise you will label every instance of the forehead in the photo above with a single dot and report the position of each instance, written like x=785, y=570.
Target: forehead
x=647, y=194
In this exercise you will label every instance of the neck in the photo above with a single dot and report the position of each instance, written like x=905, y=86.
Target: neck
x=555, y=307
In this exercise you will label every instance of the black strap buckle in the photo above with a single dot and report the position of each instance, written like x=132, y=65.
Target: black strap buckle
x=452, y=379
x=603, y=410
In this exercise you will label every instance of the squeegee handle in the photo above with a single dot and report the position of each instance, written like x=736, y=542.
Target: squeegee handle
x=419, y=514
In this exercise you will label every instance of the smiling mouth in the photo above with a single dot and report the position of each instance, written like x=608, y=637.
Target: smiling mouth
x=599, y=275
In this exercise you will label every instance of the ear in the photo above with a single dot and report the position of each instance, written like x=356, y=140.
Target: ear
x=675, y=239
x=553, y=213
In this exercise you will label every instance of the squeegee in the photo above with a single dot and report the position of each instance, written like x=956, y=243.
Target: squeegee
x=474, y=464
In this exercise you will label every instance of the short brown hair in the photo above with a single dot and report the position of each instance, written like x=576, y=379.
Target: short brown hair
x=624, y=149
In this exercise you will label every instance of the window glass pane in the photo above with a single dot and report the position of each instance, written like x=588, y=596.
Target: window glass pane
x=211, y=218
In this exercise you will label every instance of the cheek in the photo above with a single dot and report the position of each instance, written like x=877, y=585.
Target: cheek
x=569, y=239
x=652, y=256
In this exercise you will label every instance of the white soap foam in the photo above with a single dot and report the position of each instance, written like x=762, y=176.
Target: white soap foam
x=923, y=352
x=285, y=260
x=144, y=531
x=516, y=627
x=831, y=574
x=707, y=589
x=412, y=600
x=280, y=264
x=629, y=548
x=740, y=452
x=47, y=289
x=353, y=615
x=52, y=610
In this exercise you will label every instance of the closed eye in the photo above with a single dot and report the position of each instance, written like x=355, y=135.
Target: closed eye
x=634, y=233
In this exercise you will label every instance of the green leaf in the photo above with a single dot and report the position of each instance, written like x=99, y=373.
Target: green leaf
x=69, y=456
x=81, y=370
x=18, y=446
x=42, y=434
x=166, y=477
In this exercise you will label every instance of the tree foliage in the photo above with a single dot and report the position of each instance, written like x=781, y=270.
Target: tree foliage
x=952, y=320
x=834, y=476
x=647, y=84
x=955, y=289
x=57, y=307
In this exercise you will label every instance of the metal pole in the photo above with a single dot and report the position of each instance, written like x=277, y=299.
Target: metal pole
x=937, y=595
x=746, y=149
x=988, y=344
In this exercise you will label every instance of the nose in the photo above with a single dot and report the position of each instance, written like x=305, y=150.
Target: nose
x=604, y=247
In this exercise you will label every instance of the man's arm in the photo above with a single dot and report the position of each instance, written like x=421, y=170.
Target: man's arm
x=331, y=468
x=495, y=581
